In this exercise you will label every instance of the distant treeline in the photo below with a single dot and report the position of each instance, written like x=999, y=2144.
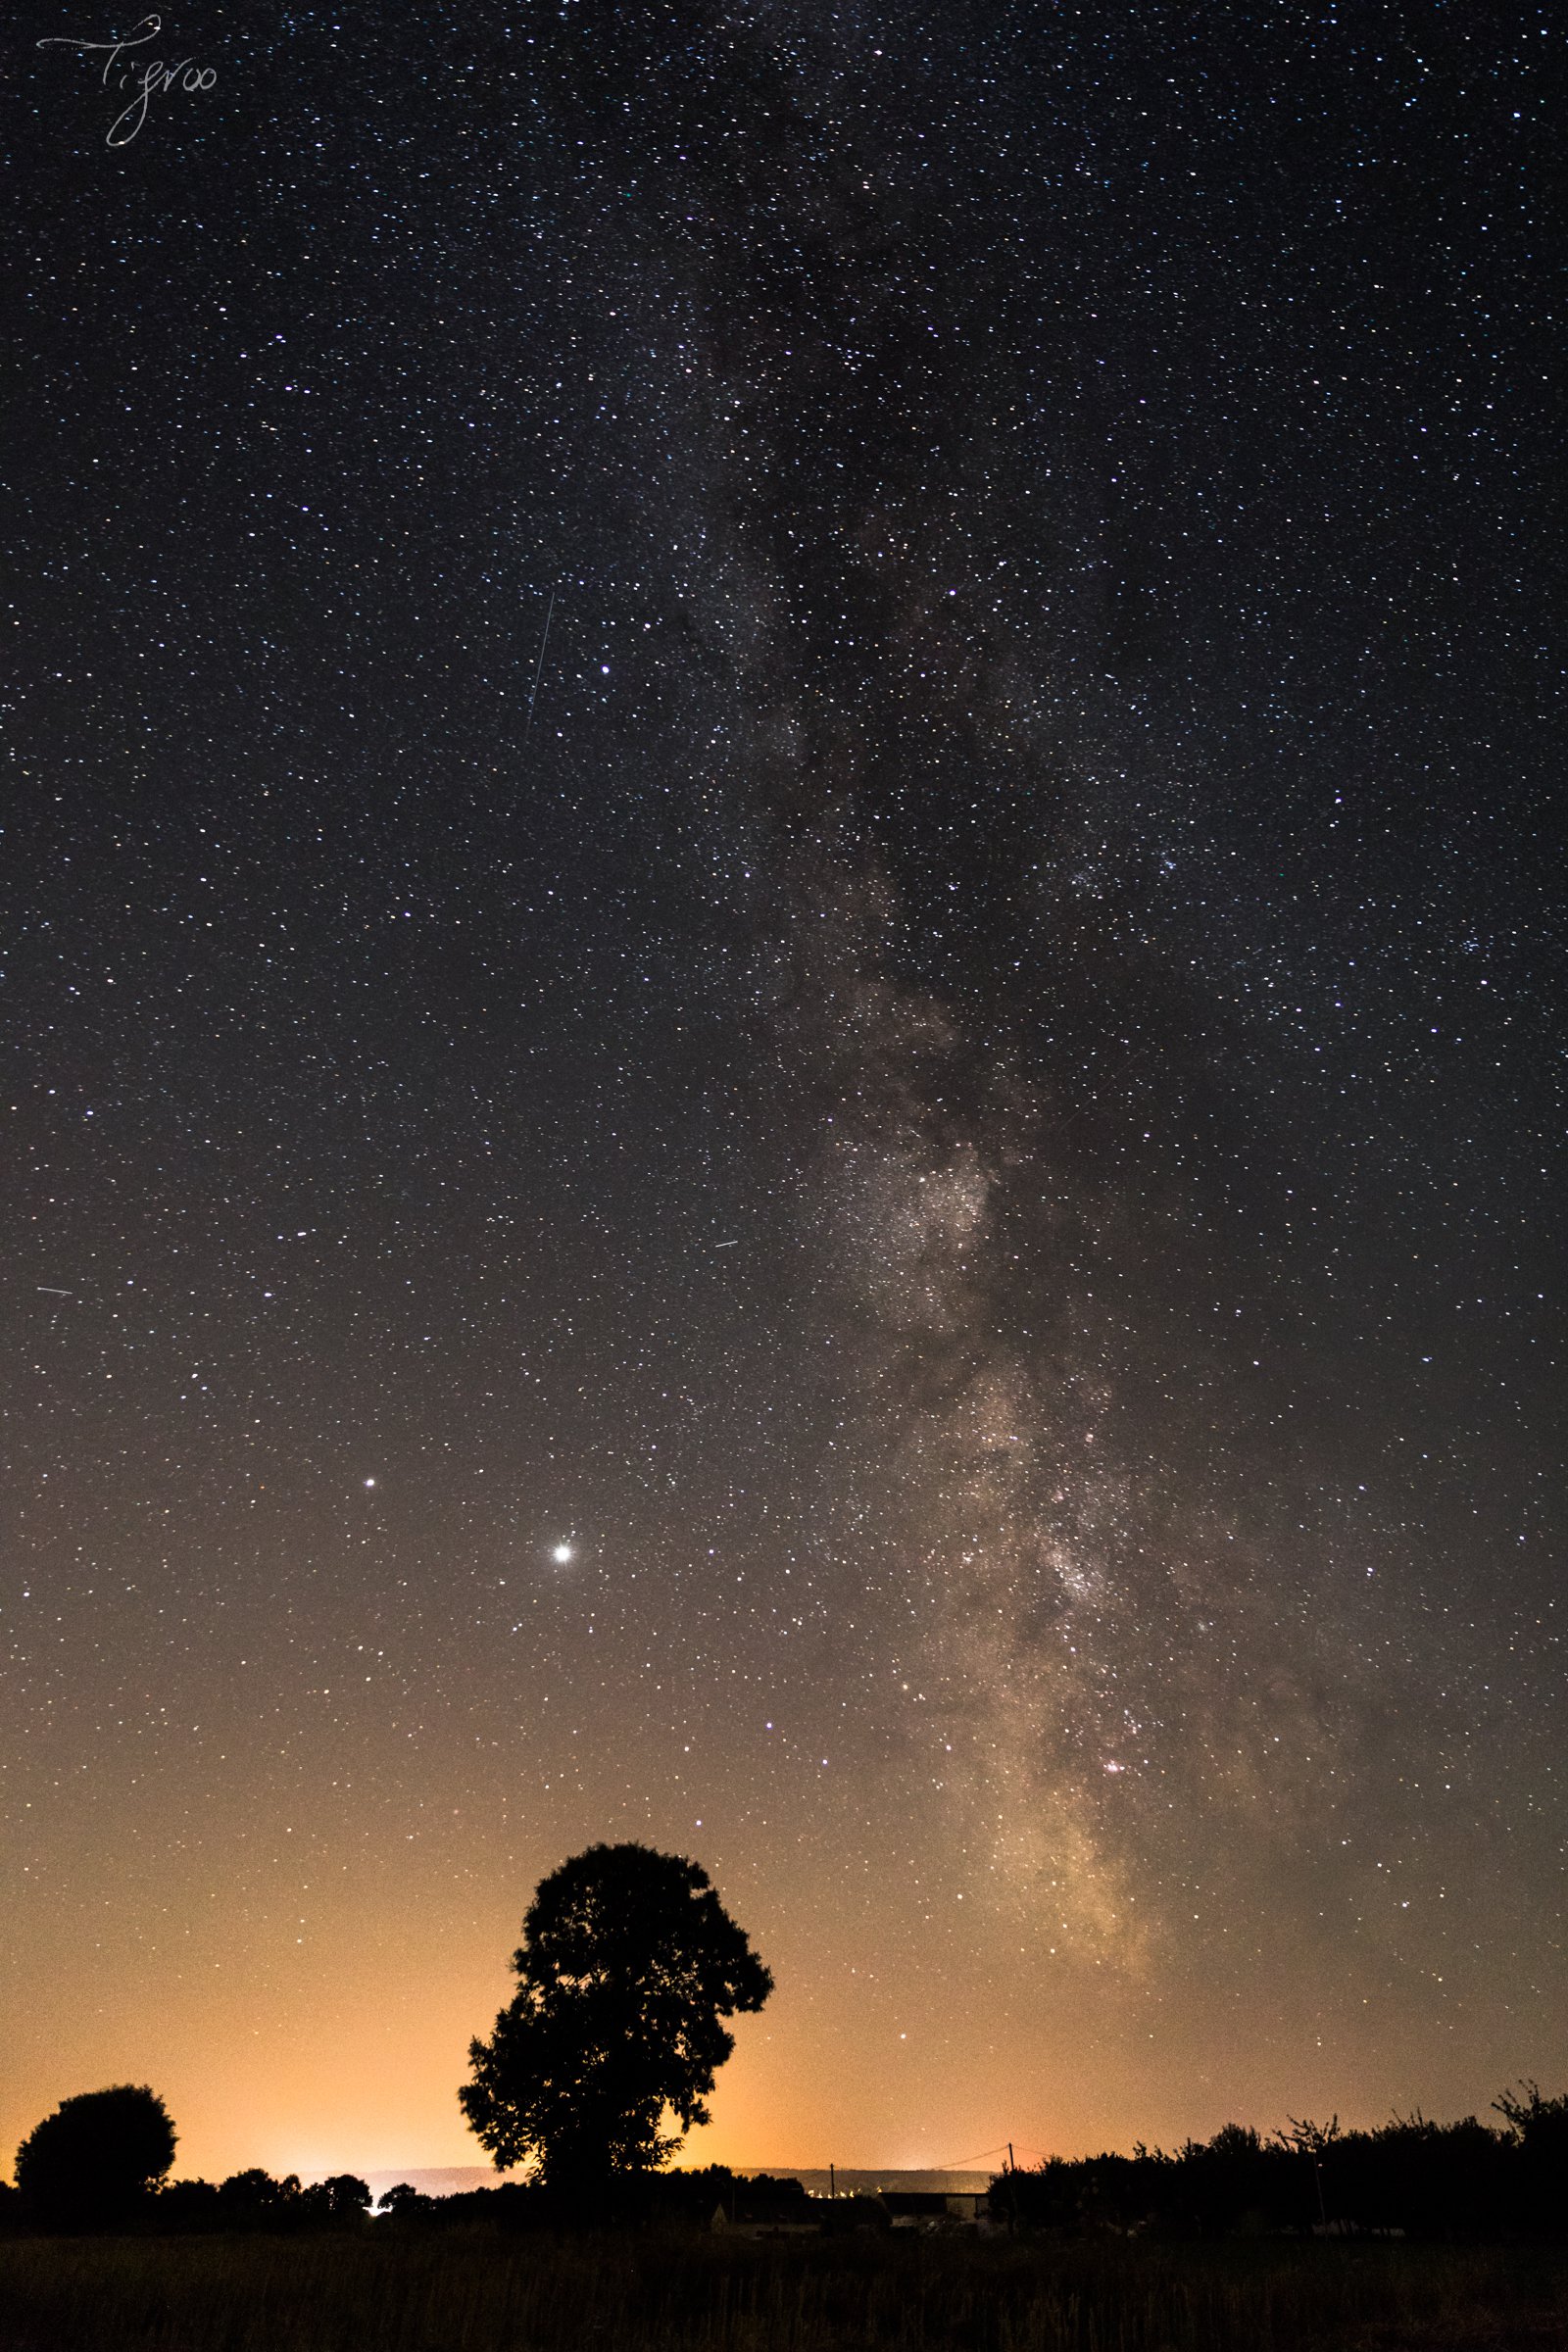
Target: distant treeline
x=251, y=2200
x=256, y=2201
x=1410, y=2177
x=100, y=2163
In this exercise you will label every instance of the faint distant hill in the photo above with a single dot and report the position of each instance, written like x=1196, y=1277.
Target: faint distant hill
x=865, y=2183
x=438, y=2180
x=452, y=2179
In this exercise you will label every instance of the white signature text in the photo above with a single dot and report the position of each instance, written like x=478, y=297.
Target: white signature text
x=146, y=81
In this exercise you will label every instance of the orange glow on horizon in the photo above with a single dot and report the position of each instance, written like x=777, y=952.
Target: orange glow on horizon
x=344, y=2051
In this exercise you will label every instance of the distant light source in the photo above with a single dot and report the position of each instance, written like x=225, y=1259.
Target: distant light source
x=561, y=1554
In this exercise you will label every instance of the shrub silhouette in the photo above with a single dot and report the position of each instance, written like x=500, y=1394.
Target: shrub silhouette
x=186, y=2208
x=92, y=2163
x=1407, y=2178
x=1540, y=2133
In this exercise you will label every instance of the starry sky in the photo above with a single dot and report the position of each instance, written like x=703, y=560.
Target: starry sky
x=779, y=1019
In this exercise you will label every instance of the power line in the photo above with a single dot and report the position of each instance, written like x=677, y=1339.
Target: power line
x=961, y=2164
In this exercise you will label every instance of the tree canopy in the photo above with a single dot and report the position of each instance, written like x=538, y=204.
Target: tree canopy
x=90, y=2164
x=627, y=1964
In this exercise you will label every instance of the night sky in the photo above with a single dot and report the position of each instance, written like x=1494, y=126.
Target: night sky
x=782, y=1048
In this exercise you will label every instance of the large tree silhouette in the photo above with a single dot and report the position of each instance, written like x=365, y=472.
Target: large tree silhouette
x=90, y=2165
x=627, y=1964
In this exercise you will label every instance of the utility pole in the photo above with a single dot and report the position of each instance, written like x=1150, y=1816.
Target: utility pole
x=832, y=2183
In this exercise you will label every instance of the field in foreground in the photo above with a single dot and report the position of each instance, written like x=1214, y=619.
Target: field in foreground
x=455, y=2292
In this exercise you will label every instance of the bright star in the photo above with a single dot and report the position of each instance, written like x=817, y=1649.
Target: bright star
x=561, y=1554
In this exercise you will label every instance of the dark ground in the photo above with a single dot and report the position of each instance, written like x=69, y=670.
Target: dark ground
x=482, y=2293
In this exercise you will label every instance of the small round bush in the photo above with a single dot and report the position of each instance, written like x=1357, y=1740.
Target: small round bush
x=91, y=2164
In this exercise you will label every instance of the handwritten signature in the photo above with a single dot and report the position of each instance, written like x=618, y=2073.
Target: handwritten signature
x=149, y=81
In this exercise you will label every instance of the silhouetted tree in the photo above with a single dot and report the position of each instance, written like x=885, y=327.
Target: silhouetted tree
x=255, y=2200
x=340, y=2202
x=629, y=1962
x=403, y=2202
x=91, y=2164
